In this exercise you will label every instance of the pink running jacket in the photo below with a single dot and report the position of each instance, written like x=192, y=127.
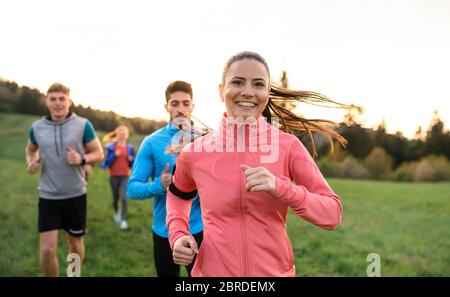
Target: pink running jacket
x=245, y=232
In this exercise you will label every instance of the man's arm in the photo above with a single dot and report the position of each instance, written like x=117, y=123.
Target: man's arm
x=32, y=157
x=138, y=187
x=93, y=151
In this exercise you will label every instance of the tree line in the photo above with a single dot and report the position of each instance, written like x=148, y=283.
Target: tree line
x=25, y=100
x=370, y=152
x=376, y=154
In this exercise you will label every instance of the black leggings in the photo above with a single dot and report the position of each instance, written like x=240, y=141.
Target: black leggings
x=119, y=190
x=162, y=253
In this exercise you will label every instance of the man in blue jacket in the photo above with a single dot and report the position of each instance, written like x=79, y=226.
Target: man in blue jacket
x=152, y=161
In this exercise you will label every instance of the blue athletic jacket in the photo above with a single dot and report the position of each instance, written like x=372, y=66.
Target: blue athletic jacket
x=111, y=155
x=149, y=164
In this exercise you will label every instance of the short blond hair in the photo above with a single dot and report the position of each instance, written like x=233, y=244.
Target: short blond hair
x=59, y=87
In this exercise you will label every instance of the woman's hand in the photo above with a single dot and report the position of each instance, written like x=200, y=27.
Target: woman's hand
x=259, y=179
x=184, y=250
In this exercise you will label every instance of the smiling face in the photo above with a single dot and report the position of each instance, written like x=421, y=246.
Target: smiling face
x=245, y=89
x=58, y=105
x=122, y=133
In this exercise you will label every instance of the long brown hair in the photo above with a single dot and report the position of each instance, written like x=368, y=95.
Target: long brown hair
x=288, y=120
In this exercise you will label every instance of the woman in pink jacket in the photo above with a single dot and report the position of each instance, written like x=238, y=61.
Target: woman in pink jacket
x=248, y=174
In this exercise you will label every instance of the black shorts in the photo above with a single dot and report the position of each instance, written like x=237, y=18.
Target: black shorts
x=67, y=214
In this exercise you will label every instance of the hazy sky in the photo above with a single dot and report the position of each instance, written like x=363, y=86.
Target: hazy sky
x=392, y=57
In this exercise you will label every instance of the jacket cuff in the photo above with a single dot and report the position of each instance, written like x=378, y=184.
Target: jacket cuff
x=157, y=187
x=286, y=191
x=177, y=235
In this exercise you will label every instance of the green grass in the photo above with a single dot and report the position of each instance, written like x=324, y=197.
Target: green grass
x=406, y=224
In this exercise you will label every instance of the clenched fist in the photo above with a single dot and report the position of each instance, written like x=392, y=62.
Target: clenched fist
x=166, y=177
x=184, y=250
x=32, y=166
x=73, y=158
x=259, y=179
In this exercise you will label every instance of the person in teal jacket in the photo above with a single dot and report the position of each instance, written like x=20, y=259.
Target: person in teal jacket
x=154, y=162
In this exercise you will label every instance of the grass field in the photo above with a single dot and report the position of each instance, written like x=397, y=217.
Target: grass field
x=407, y=224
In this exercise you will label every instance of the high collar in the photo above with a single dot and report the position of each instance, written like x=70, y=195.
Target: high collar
x=171, y=129
x=255, y=125
x=69, y=117
x=250, y=132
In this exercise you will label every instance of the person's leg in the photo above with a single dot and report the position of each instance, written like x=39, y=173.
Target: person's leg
x=74, y=223
x=198, y=238
x=162, y=254
x=48, y=242
x=49, y=221
x=115, y=185
x=123, y=194
x=76, y=245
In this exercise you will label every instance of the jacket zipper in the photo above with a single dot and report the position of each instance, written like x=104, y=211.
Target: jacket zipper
x=61, y=138
x=55, y=140
x=243, y=223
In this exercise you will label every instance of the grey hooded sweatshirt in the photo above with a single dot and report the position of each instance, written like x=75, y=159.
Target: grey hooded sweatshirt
x=59, y=180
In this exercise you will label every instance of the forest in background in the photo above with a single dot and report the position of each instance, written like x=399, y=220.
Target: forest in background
x=371, y=153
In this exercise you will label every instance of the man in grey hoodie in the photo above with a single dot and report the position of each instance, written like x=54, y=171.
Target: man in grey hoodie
x=63, y=144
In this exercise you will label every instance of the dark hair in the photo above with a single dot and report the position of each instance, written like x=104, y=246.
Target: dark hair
x=178, y=86
x=289, y=121
x=242, y=56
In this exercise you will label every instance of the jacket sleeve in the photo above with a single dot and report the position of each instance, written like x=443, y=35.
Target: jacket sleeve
x=110, y=157
x=179, y=200
x=308, y=195
x=138, y=187
x=131, y=154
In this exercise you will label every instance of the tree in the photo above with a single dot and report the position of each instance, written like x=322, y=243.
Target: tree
x=284, y=82
x=437, y=140
x=351, y=168
x=360, y=140
x=30, y=102
x=378, y=163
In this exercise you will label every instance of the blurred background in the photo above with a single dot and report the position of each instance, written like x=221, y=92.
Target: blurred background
x=388, y=57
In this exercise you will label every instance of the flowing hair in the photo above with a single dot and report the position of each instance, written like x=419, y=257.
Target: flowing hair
x=112, y=136
x=288, y=120
x=298, y=125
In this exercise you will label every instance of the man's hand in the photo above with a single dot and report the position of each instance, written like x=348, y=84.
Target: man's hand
x=166, y=177
x=184, y=250
x=32, y=157
x=32, y=166
x=73, y=158
x=259, y=179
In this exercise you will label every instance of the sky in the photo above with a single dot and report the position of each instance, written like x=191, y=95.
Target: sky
x=391, y=57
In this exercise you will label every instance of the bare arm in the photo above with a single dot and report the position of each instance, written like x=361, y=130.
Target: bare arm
x=94, y=151
x=32, y=157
